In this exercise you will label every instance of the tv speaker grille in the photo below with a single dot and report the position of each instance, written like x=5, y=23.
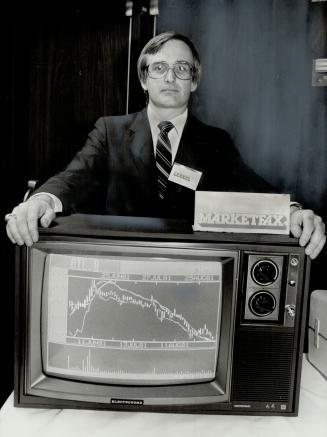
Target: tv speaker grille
x=263, y=363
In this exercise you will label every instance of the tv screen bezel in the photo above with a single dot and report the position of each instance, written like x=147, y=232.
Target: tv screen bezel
x=38, y=383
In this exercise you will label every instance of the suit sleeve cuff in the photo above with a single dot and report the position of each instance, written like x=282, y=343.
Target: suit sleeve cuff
x=57, y=204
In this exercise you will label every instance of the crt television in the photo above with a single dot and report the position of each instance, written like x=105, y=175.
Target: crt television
x=143, y=314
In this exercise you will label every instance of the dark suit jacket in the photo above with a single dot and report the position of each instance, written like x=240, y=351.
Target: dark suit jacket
x=115, y=172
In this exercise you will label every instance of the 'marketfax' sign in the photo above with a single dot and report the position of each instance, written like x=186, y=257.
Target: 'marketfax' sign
x=242, y=212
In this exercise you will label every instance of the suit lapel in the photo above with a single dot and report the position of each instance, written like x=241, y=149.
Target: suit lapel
x=188, y=150
x=139, y=146
x=140, y=140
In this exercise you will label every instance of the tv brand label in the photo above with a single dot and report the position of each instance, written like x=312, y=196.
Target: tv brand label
x=115, y=401
x=242, y=406
x=242, y=212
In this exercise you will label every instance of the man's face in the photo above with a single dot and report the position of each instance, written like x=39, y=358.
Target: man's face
x=169, y=91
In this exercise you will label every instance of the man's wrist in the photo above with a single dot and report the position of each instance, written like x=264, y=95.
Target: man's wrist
x=51, y=199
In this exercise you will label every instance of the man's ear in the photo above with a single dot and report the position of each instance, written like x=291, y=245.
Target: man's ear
x=143, y=85
x=194, y=86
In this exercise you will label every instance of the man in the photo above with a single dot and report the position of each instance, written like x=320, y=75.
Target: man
x=130, y=157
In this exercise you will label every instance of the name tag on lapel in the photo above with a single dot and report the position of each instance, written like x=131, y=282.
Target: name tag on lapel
x=186, y=176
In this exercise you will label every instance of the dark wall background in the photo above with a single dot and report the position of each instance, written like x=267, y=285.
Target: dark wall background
x=257, y=67
x=65, y=67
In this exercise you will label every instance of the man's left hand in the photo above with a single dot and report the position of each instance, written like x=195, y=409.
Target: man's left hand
x=310, y=229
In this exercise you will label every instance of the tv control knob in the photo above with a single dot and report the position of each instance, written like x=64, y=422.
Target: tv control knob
x=262, y=303
x=290, y=310
x=264, y=272
x=294, y=262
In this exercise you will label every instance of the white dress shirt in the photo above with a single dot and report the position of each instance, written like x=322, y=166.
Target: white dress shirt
x=174, y=135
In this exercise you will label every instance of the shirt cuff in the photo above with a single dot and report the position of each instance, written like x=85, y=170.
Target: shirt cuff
x=296, y=205
x=56, y=202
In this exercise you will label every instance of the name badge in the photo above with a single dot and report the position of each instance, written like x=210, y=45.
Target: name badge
x=186, y=176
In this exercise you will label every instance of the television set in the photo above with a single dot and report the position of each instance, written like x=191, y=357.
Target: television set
x=143, y=314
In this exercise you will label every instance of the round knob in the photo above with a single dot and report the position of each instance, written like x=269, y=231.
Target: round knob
x=290, y=310
x=262, y=303
x=264, y=272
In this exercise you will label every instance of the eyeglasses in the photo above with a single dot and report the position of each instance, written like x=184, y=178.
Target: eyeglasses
x=182, y=70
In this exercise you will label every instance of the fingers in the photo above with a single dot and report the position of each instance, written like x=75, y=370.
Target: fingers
x=47, y=217
x=296, y=230
x=317, y=240
x=298, y=219
x=310, y=230
x=9, y=233
x=302, y=225
x=315, y=251
x=18, y=228
x=22, y=224
x=308, y=227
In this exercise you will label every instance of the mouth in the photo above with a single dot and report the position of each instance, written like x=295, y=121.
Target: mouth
x=169, y=90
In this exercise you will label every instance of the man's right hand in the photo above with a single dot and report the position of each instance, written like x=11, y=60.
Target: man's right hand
x=22, y=222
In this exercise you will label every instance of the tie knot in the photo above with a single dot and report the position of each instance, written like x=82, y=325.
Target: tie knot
x=165, y=126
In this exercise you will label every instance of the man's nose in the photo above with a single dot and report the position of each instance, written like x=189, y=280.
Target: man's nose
x=170, y=76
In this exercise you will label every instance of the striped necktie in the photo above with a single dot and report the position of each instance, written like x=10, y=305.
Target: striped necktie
x=163, y=157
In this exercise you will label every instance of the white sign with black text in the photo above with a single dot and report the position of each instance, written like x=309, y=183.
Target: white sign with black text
x=242, y=212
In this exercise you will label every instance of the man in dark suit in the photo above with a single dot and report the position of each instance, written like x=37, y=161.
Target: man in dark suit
x=127, y=159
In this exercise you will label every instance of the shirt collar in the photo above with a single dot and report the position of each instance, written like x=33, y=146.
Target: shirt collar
x=178, y=122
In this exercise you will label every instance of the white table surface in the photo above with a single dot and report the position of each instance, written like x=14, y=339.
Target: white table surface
x=311, y=421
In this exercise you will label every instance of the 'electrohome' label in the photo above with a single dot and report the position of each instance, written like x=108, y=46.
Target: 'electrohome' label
x=126, y=401
x=242, y=212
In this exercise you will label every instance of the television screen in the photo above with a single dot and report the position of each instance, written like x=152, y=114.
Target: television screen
x=115, y=314
x=131, y=320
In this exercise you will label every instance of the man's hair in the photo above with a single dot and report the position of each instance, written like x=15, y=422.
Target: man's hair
x=154, y=46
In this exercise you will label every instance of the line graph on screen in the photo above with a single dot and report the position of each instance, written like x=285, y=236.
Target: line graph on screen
x=111, y=291
x=139, y=320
